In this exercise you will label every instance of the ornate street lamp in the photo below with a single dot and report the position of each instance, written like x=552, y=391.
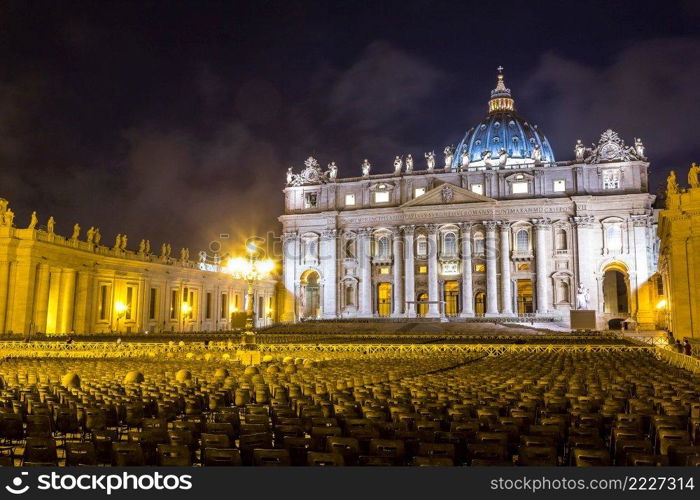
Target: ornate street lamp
x=251, y=269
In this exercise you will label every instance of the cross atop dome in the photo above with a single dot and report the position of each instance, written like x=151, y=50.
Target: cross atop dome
x=501, y=99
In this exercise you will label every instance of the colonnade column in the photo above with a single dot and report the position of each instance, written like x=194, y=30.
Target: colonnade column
x=41, y=304
x=66, y=301
x=329, y=265
x=645, y=316
x=409, y=270
x=433, y=307
x=290, y=258
x=83, y=301
x=397, y=287
x=365, y=265
x=467, y=292
x=542, y=228
x=491, y=271
x=506, y=287
x=584, y=224
x=4, y=286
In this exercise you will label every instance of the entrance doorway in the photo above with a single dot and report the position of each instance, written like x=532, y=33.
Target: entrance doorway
x=525, y=305
x=480, y=303
x=615, y=294
x=451, y=298
x=422, y=307
x=310, y=295
x=384, y=299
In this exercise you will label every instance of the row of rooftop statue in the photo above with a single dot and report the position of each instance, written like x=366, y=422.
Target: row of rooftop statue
x=672, y=186
x=313, y=173
x=92, y=236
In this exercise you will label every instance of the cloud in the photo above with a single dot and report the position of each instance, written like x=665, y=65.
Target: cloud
x=648, y=91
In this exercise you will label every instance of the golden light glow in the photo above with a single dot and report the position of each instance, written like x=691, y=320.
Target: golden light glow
x=241, y=267
x=120, y=307
x=186, y=308
x=661, y=304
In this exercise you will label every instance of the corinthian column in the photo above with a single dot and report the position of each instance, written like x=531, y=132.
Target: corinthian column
x=329, y=264
x=467, y=292
x=290, y=258
x=397, y=287
x=491, y=265
x=543, y=228
x=584, y=225
x=433, y=309
x=365, y=266
x=409, y=270
x=506, y=290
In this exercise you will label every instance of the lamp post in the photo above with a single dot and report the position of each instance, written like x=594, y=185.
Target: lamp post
x=185, y=309
x=251, y=269
x=120, y=308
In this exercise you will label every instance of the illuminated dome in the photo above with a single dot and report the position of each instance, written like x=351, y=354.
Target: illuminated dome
x=503, y=136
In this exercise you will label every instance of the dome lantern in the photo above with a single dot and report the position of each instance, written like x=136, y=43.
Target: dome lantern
x=501, y=99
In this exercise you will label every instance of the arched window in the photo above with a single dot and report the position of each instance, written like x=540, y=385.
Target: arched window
x=560, y=239
x=449, y=244
x=613, y=237
x=479, y=244
x=383, y=247
x=421, y=246
x=522, y=241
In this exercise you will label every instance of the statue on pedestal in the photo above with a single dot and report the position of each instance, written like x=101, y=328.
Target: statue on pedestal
x=430, y=160
x=694, y=176
x=98, y=236
x=397, y=165
x=51, y=224
x=409, y=163
x=33, y=221
x=449, y=152
x=537, y=153
x=583, y=298
x=90, y=234
x=672, y=184
x=290, y=176
x=366, y=167
x=464, y=159
x=579, y=150
x=142, y=247
x=332, y=171
x=639, y=148
x=8, y=217
x=76, y=232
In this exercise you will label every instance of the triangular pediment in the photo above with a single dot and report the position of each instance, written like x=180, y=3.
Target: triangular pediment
x=447, y=194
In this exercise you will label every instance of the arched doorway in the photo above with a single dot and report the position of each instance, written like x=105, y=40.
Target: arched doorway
x=525, y=305
x=384, y=299
x=310, y=295
x=422, y=307
x=480, y=303
x=615, y=292
x=451, y=298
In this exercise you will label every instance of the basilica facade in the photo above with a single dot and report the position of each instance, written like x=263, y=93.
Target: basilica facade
x=493, y=227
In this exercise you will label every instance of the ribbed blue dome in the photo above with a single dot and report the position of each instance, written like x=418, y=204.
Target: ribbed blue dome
x=502, y=129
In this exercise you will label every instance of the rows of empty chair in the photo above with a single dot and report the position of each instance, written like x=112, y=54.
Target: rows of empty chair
x=519, y=408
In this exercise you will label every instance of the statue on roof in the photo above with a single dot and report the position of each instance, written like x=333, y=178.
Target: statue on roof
x=33, y=221
x=122, y=246
x=290, y=176
x=51, y=224
x=430, y=160
x=537, y=153
x=398, y=163
x=142, y=247
x=117, y=242
x=90, y=235
x=672, y=184
x=464, y=160
x=163, y=250
x=3, y=205
x=579, y=150
x=332, y=172
x=486, y=156
x=639, y=148
x=449, y=153
x=366, y=167
x=409, y=163
x=168, y=250
x=8, y=218
x=148, y=247
x=694, y=176
x=502, y=157
x=76, y=232
x=98, y=236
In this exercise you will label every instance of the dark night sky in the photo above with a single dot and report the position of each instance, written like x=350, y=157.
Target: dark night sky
x=176, y=121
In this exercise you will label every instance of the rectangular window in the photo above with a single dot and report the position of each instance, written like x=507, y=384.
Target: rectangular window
x=519, y=188
x=659, y=286
x=480, y=268
x=104, y=305
x=381, y=197
x=349, y=200
x=383, y=270
x=129, y=301
x=418, y=192
x=611, y=179
x=152, y=302
x=173, y=304
x=559, y=186
x=236, y=302
x=261, y=308
x=477, y=188
x=422, y=269
x=192, y=301
x=185, y=294
x=208, y=306
x=224, y=305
